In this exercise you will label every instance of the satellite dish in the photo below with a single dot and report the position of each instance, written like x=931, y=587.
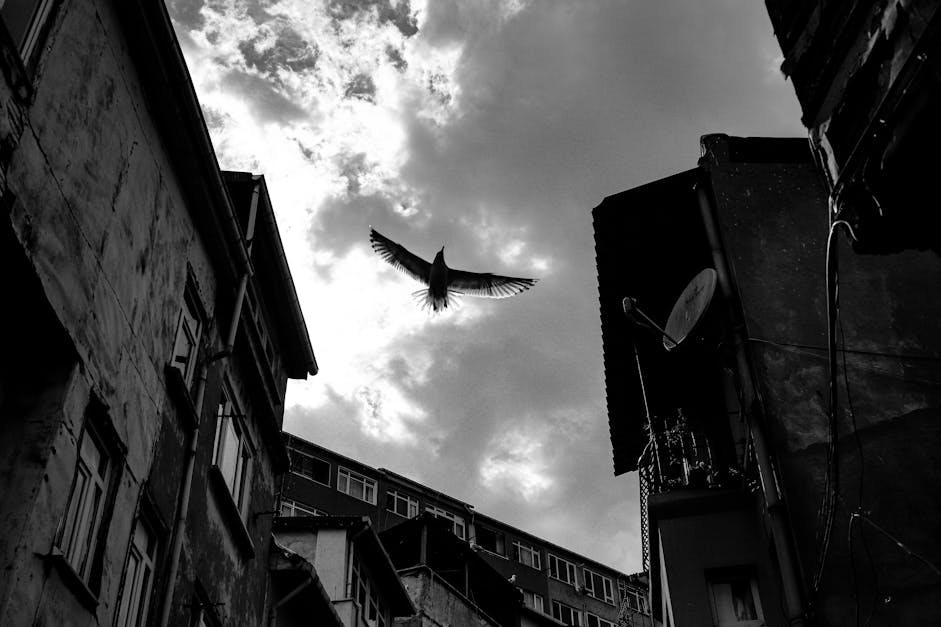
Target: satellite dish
x=689, y=308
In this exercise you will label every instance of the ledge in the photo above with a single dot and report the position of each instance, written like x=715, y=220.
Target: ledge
x=231, y=513
x=56, y=559
x=180, y=394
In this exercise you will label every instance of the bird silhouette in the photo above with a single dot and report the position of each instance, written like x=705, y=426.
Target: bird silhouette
x=443, y=281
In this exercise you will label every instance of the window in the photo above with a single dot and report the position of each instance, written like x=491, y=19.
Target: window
x=526, y=554
x=267, y=344
x=357, y=486
x=365, y=592
x=533, y=600
x=138, y=577
x=23, y=20
x=735, y=601
x=562, y=570
x=636, y=599
x=401, y=504
x=596, y=621
x=457, y=523
x=566, y=613
x=188, y=331
x=204, y=613
x=233, y=450
x=310, y=467
x=79, y=534
x=293, y=508
x=599, y=586
x=490, y=540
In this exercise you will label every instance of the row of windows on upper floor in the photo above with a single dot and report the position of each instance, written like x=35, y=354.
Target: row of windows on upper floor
x=365, y=488
x=95, y=479
x=90, y=507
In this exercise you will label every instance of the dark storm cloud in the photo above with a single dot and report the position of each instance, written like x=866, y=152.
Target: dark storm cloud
x=361, y=87
x=395, y=56
x=399, y=14
x=268, y=104
x=557, y=106
x=290, y=52
x=563, y=105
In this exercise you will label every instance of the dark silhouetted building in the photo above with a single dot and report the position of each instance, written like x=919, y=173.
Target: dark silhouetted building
x=781, y=450
x=868, y=78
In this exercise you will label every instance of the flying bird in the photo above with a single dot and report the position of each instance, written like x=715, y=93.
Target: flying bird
x=443, y=281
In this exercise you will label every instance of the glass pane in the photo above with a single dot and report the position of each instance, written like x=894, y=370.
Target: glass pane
x=228, y=454
x=76, y=506
x=88, y=533
x=743, y=605
x=144, y=599
x=133, y=564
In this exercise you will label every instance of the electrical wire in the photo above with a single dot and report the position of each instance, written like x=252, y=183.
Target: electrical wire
x=904, y=547
x=832, y=476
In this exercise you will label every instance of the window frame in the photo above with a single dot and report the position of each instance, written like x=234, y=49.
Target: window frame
x=349, y=476
x=639, y=597
x=534, y=552
x=297, y=506
x=607, y=586
x=599, y=621
x=725, y=578
x=76, y=518
x=571, y=570
x=191, y=314
x=558, y=606
x=533, y=595
x=235, y=422
x=412, y=506
x=457, y=522
x=141, y=587
x=299, y=471
x=499, y=540
x=365, y=592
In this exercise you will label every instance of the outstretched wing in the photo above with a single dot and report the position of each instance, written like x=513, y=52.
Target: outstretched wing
x=399, y=257
x=486, y=284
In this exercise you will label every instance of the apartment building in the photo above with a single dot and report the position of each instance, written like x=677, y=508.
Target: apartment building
x=351, y=567
x=787, y=435
x=149, y=330
x=552, y=580
x=868, y=79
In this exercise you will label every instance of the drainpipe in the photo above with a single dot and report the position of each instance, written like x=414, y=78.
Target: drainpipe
x=179, y=524
x=787, y=563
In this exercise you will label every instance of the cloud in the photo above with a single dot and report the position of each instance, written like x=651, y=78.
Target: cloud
x=491, y=127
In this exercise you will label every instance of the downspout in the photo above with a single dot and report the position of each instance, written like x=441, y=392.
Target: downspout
x=179, y=524
x=787, y=563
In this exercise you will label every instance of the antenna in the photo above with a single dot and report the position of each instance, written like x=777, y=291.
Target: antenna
x=630, y=309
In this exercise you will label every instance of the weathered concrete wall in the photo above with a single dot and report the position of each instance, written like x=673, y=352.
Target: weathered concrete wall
x=773, y=219
x=437, y=603
x=728, y=538
x=97, y=208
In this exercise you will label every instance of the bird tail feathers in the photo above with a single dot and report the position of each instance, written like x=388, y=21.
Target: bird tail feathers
x=436, y=305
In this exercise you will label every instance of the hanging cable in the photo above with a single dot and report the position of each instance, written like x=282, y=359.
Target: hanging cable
x=832, y=477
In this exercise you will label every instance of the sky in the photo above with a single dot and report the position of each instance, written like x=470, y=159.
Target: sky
x=490, y=127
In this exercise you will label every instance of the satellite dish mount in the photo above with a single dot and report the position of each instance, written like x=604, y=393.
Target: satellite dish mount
x=687, y=311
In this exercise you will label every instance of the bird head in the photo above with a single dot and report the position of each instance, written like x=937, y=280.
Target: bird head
x=440, y=254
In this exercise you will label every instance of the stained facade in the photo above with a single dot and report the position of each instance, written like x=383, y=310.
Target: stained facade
x=155, y=326
x=792, y=435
